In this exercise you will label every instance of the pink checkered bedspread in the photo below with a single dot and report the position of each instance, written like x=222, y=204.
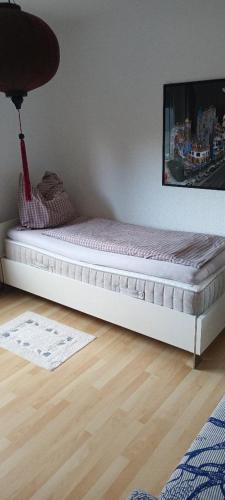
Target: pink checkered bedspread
x=190, y=249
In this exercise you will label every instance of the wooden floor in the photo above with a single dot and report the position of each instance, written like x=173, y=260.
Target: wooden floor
x=119, y=414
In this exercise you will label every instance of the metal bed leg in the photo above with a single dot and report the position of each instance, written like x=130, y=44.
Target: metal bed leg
x=196, y=357
x=196, y=361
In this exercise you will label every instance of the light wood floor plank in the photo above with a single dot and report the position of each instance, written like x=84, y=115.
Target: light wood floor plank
x=119, y=414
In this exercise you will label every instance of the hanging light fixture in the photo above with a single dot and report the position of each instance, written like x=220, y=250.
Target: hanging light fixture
x=29, y=58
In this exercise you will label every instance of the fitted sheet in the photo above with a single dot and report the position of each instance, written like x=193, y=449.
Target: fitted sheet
x=149, y=267
x=188, y=298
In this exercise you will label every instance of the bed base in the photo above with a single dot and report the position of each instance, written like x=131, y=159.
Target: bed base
x=191, y=333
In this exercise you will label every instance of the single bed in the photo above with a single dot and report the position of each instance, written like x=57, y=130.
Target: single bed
x=178, y=304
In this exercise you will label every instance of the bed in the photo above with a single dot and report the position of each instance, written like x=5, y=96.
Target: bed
x=177, y=304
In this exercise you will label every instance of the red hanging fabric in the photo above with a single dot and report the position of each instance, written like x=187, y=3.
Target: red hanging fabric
x=26, y=178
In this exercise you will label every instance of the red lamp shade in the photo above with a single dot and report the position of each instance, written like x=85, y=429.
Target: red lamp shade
x=29, y=51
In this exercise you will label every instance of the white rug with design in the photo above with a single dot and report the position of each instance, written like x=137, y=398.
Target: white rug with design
x=42, y=341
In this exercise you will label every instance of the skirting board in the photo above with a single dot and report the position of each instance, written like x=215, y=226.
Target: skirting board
x=182, y=330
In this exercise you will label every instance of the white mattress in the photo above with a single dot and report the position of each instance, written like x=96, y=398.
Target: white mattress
x=166, y=270
x=184, y=297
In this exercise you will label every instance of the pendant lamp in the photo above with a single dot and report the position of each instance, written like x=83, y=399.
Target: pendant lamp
x=29, y=58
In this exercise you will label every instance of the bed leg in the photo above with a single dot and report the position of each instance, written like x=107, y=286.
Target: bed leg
x=196, y=357
x=196, y=361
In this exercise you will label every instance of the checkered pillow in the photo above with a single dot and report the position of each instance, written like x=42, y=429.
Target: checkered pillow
x=50, y=205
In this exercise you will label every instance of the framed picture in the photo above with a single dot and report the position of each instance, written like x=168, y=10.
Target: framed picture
x=194, y=134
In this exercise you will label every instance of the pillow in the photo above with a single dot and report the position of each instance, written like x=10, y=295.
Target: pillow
x=50, y=205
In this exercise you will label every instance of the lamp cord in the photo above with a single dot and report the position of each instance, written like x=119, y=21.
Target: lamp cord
x=20, y=123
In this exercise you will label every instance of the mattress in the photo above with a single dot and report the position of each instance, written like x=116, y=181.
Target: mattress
x=149, y=267
x=184, y=297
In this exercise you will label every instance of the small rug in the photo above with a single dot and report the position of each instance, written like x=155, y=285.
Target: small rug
x=42, y=341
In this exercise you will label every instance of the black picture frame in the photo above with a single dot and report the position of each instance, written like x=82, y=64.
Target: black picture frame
x=194, y=134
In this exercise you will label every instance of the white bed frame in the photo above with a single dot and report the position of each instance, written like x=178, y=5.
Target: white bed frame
x=188, y=332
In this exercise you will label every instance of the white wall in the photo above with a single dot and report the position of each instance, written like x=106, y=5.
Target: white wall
x=113, y=69
x=99, y=121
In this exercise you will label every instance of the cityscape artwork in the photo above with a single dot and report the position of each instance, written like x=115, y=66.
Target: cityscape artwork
x=194, y=134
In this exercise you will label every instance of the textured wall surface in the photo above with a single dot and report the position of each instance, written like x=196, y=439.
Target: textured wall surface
x=100, y=121
x=115, y=67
